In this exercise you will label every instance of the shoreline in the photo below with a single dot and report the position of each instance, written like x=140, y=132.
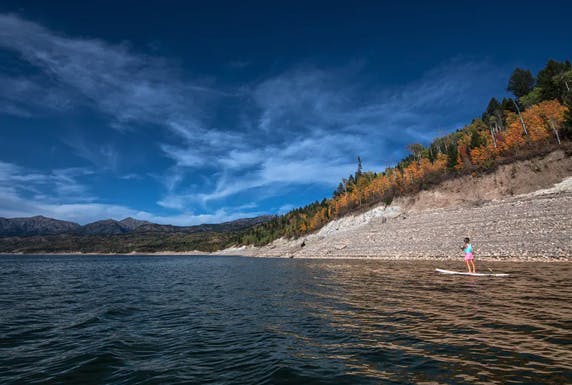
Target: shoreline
x=558, y=259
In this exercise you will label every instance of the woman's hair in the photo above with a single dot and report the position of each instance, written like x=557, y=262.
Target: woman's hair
x=467, y=240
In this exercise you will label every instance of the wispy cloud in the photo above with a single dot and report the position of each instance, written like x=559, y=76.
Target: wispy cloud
x=127, y=86
x=131, y=89
x=59, y=194
x=26, y=97
x=13, y=205
x=311, y=124
x=104, y=157
x=84, y=213
x=57, y=184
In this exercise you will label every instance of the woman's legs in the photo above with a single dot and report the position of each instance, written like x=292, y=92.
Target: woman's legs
x=473, y=264
x=468, y=266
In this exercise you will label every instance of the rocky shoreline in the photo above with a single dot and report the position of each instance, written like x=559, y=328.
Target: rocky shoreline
x=535, y=225
x=518, y=229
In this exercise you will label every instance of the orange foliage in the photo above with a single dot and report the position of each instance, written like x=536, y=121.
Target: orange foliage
x=317, y=220
x=485, y=152
x=514, y=133
x=539, y=118
x=462, y=156
x=480, y=155
x=440, y=163
x=411, y=173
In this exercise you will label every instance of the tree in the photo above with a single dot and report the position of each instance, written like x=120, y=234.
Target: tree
x=494, y=116
x=416, y=149
x=508, y=105
x=532, y=98
x=452, y=154
x=565, y=78
x=520, y=117
x=548, y=80
x=493, y=129
x=521, y=82
x=359, y=168
x=493, y=107
x=340, y=190
x=545, y=120
x=476, y=140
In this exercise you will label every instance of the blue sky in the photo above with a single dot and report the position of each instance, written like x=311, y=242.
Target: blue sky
x=203, y=112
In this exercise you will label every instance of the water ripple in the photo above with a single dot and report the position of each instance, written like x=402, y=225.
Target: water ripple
x=206, y=320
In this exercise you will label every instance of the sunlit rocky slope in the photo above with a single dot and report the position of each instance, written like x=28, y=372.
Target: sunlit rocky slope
x=522, y=210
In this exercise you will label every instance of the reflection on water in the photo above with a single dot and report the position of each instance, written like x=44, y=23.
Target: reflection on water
x=157, y=320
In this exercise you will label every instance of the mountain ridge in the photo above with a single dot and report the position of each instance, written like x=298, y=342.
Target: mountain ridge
x=40, y=225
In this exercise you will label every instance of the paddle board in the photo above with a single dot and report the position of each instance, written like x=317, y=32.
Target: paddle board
x=473, y=274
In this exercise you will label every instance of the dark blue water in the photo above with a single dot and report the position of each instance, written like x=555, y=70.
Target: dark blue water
x=223, y=320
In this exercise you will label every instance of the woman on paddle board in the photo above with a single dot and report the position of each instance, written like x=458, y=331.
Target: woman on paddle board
x=469, y=259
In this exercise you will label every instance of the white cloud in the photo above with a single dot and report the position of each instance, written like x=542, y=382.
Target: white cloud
x=184, y=157
x=55, y=185
x=104, y=157
x=305, y=162
x=13, y=206
x=67, y=200
x=25, y=97
x=127, y=86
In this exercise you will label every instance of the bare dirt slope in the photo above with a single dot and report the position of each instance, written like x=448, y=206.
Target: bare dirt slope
x=517, y=212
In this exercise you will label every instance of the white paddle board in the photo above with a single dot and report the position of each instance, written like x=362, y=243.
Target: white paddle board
x=473, y=274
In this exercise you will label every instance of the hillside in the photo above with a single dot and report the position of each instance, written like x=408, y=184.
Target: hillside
x=515, y=212
x=46, y=235
x=38, y=225
x=536, y=122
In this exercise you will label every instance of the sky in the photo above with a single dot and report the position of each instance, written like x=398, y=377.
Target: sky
x=188, y=112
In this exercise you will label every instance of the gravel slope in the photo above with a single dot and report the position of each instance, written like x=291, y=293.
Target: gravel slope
x=537, y=224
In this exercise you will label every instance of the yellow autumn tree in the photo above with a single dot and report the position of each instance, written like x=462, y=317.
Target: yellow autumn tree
x=514, y=135
x=543, y=119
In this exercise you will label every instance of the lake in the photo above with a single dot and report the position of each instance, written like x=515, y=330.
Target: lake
x=231, y=320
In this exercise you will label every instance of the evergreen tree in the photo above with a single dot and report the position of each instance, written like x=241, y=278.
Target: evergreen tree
x=452, y=154
x=359, y=168
x=340, y=190
x=476, y=140
x=548, y=78
x=521, y=82
x=493, y=107
x=508, y=105
x=494, y=113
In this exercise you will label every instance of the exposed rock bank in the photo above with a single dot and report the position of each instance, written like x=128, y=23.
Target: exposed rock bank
x=515, y=212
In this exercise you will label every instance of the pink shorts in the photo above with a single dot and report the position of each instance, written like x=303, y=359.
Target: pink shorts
x=468, y=256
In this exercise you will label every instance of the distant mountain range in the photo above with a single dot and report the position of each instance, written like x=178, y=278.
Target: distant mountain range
x=40, y=225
